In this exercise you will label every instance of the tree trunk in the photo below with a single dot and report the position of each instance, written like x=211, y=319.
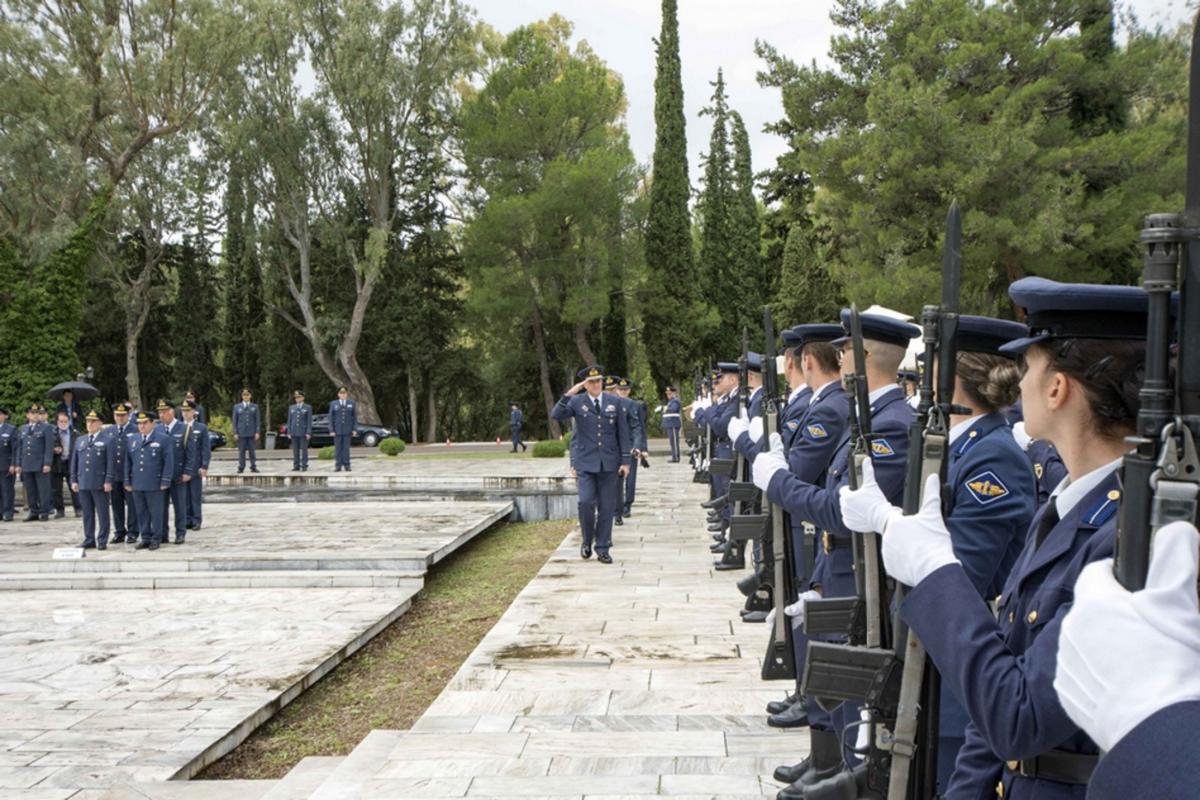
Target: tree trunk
x=413, y=434
x=539, y=344
x=581, y=342
x=431, y=410
x=137, y=311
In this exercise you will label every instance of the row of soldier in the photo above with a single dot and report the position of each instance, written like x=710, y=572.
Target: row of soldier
x=1039, y=420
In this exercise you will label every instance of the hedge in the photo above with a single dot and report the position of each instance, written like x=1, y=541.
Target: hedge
x=391, y=447
x=327, y=453
x=550, y=448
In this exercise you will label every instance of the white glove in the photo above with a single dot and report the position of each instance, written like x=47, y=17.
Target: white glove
x=756, y=429
x=1023, y=439
x=1122, y=656
x=771, y=617
x=770, y=462
x=796, y=609
x=864, y=730
x=914, y=547
x=866, y=509
x=738, y=425
x=704, y=403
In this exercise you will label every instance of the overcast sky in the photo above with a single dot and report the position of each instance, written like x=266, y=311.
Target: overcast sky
x=713, y=33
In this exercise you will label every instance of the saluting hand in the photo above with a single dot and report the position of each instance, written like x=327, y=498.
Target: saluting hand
x=577, y=388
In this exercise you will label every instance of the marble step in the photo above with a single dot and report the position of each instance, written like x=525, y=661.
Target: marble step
x=303, y=778
x=191, y=790
x=256, y=579
x=171, y=560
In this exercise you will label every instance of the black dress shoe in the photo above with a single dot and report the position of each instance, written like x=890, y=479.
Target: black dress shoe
x=627, y=513
x=717, y=526
x=618, y=521
x=585, y=552
x=59, y=514
x=779, y=706
x=604, y=558
x=796, y=716
x=179, y=539
x=44, y=518
x=119, y=539
x=754, y=616
x=29, y=518
x=88, y=545
x=254, y=469
x=842, y=784
x=153, y=547
x=142, y=546
x=717, y=547
x=824, y=761
x=241, y=470
x=101, y=547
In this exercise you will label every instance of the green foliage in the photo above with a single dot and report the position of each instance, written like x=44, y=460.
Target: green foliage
x=221, y=424
x=392, y=447
x=566, y=439
x=718, y=284
x=745, y=234
x=1020, y=119
x=327, y=453
x=549, y=448
x=806, y=292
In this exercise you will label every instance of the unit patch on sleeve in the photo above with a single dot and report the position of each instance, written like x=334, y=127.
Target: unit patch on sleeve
x=986, y=487
x=817, y=431
x=881, y=449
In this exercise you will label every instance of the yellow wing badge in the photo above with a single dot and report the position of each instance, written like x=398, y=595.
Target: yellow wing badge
x=986, y=487
x=817, y=431
x=881, y=449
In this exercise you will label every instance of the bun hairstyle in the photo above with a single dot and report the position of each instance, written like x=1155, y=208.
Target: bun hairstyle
x=991, y=381
x=1111, y=373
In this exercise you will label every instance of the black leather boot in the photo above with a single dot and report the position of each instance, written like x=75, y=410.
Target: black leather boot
x=846, y=784
x=824, y=761
x=734, y=558
x=795, y=716
x=776, y=706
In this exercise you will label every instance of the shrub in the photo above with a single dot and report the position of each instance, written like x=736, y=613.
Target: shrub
x=391, y=447
x=566, y=439
x=550, y=448
x=326, y=454
x=222, y=424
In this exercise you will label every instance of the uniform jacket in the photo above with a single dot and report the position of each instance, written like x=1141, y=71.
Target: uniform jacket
x=719, y=417
x=601, y=441
x=744, y=444
x=1002, y=669
x=179, y=445
x=149, y=466
x=119, y=436
x=342, y=417
x=8, y=446
x=638, y=416
x=299, y=422
x=516, y=419
x=94, y=464
x=671, y=414
x=1155, y=759
x=789, y=418
x=36, y=447
x=1048, y=468
x=198, y=452
x=245, y=420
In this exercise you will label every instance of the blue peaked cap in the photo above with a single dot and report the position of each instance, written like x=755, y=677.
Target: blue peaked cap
x=800, y=335
x=880, y=328
x=1077, y=311
x=753, y=362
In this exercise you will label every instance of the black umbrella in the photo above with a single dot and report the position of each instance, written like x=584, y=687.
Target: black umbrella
x=83, y=391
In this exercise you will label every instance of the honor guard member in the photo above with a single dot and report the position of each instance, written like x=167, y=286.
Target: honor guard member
x=600, y=450
x=343, y=417
x=246, y=424
x=123, y=507
x=733, y=554
x=745, y=422
x=886, y=341
x=1083, y=360
x=201, y=413
x=672, y=422
x=799, y=392
x=9, y=454
x=717, y=416
x=992, y=494
x=93, y=470
x=148, y=468
x=515, y=420
x=198, y=454
x=299, y=428
x=63, y=439
x=177, y=494
x=1128, y=672
x=36, y=448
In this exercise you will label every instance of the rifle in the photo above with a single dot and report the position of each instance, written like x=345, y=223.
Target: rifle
x=1160, y=476
x=779, y=662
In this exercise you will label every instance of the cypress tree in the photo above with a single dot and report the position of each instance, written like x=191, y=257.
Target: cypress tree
x=671, y=311
x=718, y=284
x=746, y=266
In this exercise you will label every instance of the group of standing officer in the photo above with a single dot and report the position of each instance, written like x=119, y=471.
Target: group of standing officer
x=343, y=418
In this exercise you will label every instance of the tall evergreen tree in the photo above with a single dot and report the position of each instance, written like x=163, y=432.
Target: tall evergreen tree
x=745, y=236
x=672, y=314
x=806, y=292
x=716, y=246
x=192, y=322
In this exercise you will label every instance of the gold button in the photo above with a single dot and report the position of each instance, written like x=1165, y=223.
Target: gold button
x=1032, y=618
x=972, y=434
x=1012, y=617
x=1000, y=789
x=1114, y=495
x=1013, y=765
x=999, y=599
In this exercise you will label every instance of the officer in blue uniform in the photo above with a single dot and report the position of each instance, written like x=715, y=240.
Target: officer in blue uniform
x=343, y=416
x=733, y=554
x=149, y=465
x=197, y=456
x=123, y=507
x=93, y=471
x=8, y=459
x=246, y=425
x=672, y=422
x=299, y=428
x=886, y=341
x=1128, y=672
x=992, y=494
x=201, y=413
x=639, y=417
x=177, y=494
x=516, y=420
x=36, y=452
x=1082, y=359
x=1048, y=465
x=600, y=453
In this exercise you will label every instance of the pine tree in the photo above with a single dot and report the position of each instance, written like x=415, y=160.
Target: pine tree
x=745, y=265
x=806, y=293
x=717, y=284
x=671, y=311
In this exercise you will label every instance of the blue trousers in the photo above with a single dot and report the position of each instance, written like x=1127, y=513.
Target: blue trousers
x=673, y=438
x=630, y=486
x=516, y=438
x=341, y=451
x=300, y=452
x=597, y=503
x=195, y=501
x=151, y=514
x=122, y=503
x=8, y=494
x=246, y=446
x=94, y=503
x=37, y=492
x=177, y=496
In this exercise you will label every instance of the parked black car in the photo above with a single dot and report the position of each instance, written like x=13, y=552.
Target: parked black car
x=216, y=439
x=368, y=435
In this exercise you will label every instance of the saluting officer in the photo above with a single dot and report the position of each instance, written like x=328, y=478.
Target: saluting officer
x=343, y=416
x=8, y=457
x=177, y=494
x=299, y=428
x=515, y=421
x=246, y=424
x=123, y=506
x=93, y=470
x=37, y=452
x=672, y=421
x=148, y=469
x=599, y=454
x=197, y=456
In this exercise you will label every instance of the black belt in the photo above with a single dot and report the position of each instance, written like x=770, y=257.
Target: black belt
x=829, y=542
x=1059, y=766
